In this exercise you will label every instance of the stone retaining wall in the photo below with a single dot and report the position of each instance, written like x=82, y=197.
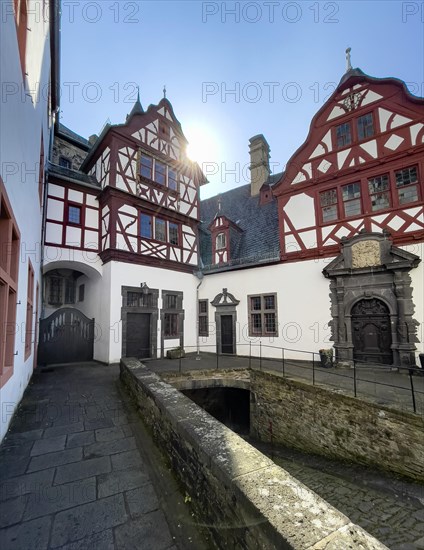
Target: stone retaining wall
x=244, y=499
x=317, y=420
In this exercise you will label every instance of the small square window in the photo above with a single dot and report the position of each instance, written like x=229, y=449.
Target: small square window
x=74, y=214
x=255, y=303
x=65, y=162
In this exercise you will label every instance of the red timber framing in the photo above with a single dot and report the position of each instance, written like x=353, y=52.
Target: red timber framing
x=75, y=212
x=122, y=238
x=157, y=134
x=353, y=171
x=9, y=273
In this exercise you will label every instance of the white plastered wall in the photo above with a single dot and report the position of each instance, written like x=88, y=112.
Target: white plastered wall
x=302, y=300
x=24, y=117
x=162, y=279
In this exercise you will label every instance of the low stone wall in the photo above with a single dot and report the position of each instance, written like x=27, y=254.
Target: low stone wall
x=317, y=420
x=243, y=498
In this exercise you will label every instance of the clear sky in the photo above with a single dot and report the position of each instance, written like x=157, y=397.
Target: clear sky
x=232, y=69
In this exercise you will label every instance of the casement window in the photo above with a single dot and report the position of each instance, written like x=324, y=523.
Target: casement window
x=173, y=233
x=220, y=241
x=263, y=315
x=159, y=229
x=146, y=167
x=328, y=203
x=65, y=162
x=146, y=226
x=172, y=313
x=365, y=126
x=81, y=293
x=343, y=135
x=407, y=185
x=9, y=270
x=158, y=172
x=351, y=195
x=138, y=299
x=61, y=290
x=74, y=214
x=29, y=311
x=203, y=318
x=379, y=190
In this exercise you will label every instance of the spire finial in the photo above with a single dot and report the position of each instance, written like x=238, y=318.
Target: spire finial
x=219, y=204
x=164, y=91
x=138, y=93
x=348, y=60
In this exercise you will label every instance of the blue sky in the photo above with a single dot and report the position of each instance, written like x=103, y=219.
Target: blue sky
x=232, y=69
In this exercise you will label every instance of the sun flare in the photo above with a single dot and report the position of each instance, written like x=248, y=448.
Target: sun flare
x=203, y=145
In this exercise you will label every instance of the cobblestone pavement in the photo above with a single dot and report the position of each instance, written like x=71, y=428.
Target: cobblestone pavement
x=79, y=471
x=390, y=509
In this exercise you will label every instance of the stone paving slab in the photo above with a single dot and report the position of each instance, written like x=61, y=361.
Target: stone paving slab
x=72, y=472
x=88, y=519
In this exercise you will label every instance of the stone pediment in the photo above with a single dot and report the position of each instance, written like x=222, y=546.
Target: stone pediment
x=370, y=252
x=224, y=298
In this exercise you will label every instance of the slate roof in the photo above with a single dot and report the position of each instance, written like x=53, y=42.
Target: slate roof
x=69, y=134
x=72, y=175
x=259, y=223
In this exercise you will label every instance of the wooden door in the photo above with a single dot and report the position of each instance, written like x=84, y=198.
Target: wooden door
x=227, y=345
x=138, y=335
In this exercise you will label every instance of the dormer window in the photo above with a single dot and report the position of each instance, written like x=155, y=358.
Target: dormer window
x=220, y=241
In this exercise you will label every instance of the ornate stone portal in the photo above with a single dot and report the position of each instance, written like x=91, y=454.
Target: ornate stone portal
x=226, y=321
x=371, y=302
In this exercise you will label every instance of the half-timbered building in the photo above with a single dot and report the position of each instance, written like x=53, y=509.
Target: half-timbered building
x=327, y=253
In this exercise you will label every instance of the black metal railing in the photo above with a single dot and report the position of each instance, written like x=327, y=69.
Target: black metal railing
x=387, y=384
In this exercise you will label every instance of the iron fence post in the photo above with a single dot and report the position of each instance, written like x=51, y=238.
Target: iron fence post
x=260, y=355
x=354, y=378
x=313, y=368
x=412, y=391
x=250, y=354
x=282, y=353
x=217, y=359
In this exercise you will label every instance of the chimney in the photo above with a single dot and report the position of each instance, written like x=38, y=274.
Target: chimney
x=92, y=139
x=259, y=163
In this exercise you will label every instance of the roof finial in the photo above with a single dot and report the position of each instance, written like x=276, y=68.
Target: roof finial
x=348, y=61
x=164, y=91
x=138, y=93
x=219, y=204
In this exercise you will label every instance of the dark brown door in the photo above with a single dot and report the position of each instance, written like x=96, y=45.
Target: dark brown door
x=138, y=335
x=227, y=334
x=372, y=336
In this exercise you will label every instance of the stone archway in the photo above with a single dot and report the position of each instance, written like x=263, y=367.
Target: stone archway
x=371, y=293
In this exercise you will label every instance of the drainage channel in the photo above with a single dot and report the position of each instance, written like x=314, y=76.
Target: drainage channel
x=390, y=509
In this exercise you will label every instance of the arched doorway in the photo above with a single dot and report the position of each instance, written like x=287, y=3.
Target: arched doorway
x=371, y=332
